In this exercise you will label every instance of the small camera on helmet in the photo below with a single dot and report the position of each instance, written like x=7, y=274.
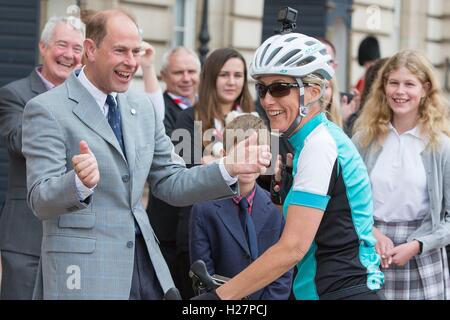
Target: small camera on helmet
x=287, y=16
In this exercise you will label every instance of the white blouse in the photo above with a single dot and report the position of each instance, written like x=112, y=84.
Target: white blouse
x=399, y=183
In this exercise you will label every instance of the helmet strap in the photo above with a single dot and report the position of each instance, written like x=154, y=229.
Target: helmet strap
x=303, y=110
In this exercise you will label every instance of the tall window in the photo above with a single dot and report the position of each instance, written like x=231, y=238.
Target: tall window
x=184, y=26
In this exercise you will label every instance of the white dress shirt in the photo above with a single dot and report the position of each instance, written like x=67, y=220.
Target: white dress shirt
x=100, y=97
x=47, y=84
x=399, y=183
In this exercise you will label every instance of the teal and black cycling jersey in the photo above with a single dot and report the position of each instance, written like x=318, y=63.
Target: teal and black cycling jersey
x=330, y=175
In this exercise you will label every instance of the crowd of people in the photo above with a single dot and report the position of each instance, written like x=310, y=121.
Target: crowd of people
x=362, y=179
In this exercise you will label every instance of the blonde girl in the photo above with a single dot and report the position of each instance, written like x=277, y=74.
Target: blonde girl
x=403, y=137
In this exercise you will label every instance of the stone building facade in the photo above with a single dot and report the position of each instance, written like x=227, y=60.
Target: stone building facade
x=420, y=24
x=400, y=24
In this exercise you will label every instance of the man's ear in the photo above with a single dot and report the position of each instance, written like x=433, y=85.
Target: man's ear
x=163, y=74
x=89, y=49
x=42, y=47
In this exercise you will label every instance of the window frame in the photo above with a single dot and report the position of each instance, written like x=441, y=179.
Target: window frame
x=188, y=30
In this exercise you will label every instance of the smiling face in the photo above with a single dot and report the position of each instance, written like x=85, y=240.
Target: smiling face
x=281, y=111
x=182, y=74
x=112, y=64
x=403, y=92
x=62, y=53
x=230, y=81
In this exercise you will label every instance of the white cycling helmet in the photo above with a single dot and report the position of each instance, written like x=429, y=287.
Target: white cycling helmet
x=296, y=55
x=292, y=54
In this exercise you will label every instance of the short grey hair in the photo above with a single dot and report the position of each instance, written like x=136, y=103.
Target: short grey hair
x=166, y=57
x=49, y=28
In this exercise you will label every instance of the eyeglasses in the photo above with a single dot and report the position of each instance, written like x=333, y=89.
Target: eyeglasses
x=277, y=89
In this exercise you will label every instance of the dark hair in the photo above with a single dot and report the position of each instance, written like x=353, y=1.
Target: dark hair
x=207, y=107
x=371, y=76
x=369, y=50
x=245, y=122
x=86, y=15
x=97, y=24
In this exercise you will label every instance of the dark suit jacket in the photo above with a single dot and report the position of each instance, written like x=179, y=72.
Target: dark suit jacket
x=164, y=217
x=217, y=238
x=172, y=112
x=3, y=174
x=20, y=230
x=186, y=121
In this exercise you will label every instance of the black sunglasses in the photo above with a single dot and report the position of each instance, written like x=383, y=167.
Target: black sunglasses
x=277, y=89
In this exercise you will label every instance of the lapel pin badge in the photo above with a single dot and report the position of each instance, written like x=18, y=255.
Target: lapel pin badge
x=133, y=111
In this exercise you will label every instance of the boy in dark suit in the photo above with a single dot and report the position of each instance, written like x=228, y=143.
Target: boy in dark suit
x=231, y=233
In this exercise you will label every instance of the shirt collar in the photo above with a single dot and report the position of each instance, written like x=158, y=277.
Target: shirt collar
x=250, y=197
x=181, y=101
x=298, y=138
x=99, y=96
x=47, y=84
x=415, y=132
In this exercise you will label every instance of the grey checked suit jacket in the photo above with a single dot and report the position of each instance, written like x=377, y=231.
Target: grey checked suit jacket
x=20, y=230
x=87, y=250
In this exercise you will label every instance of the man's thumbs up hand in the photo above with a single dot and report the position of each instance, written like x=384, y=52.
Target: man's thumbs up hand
x=85, y=166
x=84, y=147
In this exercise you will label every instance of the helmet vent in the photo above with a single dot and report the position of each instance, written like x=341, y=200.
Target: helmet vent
x=274, y=53
x=293, y=60
x=287, y=57
x=306, y=61
x=290, y=39
x=263, y=54
x=310, y=43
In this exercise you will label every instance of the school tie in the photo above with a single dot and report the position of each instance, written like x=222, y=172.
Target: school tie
x=114, y=120
x=249, y=228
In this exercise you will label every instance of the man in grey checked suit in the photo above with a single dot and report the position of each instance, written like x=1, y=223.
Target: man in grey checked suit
x=61, y=48
x=87, y=163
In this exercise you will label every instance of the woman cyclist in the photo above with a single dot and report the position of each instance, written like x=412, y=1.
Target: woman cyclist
x=328, y=231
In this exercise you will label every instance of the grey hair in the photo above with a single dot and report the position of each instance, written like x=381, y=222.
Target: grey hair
x=49, y=28
x=166, y=56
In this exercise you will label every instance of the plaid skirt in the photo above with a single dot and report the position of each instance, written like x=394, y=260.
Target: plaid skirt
x=424, y=277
